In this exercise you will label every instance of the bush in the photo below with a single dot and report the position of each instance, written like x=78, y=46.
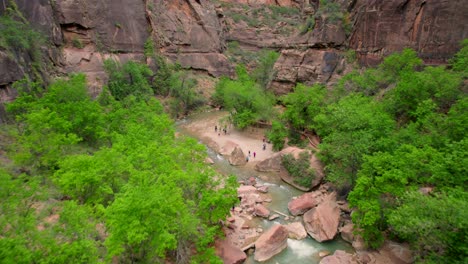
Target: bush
x=299, y=168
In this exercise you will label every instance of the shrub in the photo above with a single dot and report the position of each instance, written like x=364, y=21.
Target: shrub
x=299, y=168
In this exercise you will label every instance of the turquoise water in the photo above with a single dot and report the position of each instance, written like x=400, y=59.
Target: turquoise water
x=298, y=251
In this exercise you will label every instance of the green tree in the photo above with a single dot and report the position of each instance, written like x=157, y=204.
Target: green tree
x=303, y=105
x=52, y=125
x=350, y=129
x=459, y=62
x=131, y=78
x=264, y=72
x=436, y=225
x=246, y=101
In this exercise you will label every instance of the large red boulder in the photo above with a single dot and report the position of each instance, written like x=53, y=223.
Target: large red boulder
x=229, y=253
x=322, y=221
x=296, y=230
x=271, y=243
x=261, y=211
x=340, y=257
x=303, y=203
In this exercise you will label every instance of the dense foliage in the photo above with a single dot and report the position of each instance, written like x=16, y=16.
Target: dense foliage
x=246, y=101
x=167, y=81
x=387, y=134
x=106, y=180
x=299, y=168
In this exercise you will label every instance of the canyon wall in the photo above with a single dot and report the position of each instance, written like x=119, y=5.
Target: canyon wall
x=199, y=33
x=433, y=28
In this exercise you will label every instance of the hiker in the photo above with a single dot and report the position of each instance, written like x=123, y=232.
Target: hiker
x=255, y=154
x=264, y=146
x=216, y=129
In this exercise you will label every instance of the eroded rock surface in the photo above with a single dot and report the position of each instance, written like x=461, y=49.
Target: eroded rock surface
x=322, y=221
x=296, y=230
x=229, y=253
x=271, y=243
x=305, y=202
x=237, y=157
x=340, y=257
x=433, y=28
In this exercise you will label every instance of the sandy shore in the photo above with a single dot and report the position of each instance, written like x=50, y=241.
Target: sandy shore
x=250, y=139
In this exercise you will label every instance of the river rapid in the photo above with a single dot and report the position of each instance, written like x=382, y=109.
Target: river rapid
x=298, y=251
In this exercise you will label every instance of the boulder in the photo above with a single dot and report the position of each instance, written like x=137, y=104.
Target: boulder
x=263, y=189
x=340, y=257
x=229, y=253
x=273, y=217
x=314, y=165
x=322, y=221
x=270, y=164
x=398, y=253
x=271, y=243
x=303, y=203
x=244, y=189
x=296, y=230
x=359, y=243
x=347, y=232
x=324, y=253
x=237, y=157
x=228, y=148
x=261, y=211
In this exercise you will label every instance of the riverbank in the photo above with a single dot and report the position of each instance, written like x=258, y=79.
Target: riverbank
x=250, y=139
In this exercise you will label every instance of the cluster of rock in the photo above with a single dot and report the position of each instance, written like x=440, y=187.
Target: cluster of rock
x=316, y=214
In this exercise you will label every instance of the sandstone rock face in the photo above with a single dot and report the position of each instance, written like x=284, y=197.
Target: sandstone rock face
x=229, y=253
x=296, y=230
x=303, y=203
x=322, y=221
x=307, y=67
x=118, y=25
x=190, y=32
x=271, y=243
x=340, y=257
x=9, y=69
x=237, y=157
x=433, y=28
x=41, y=16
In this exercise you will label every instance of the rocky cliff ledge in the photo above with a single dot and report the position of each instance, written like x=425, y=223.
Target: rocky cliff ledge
x=312, y=39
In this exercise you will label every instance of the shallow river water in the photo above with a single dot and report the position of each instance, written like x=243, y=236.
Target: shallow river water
x=298, y=251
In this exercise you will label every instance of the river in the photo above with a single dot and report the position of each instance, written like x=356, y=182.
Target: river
x=298, y=251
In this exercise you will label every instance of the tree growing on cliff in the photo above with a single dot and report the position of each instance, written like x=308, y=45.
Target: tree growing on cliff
x=264, y=72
